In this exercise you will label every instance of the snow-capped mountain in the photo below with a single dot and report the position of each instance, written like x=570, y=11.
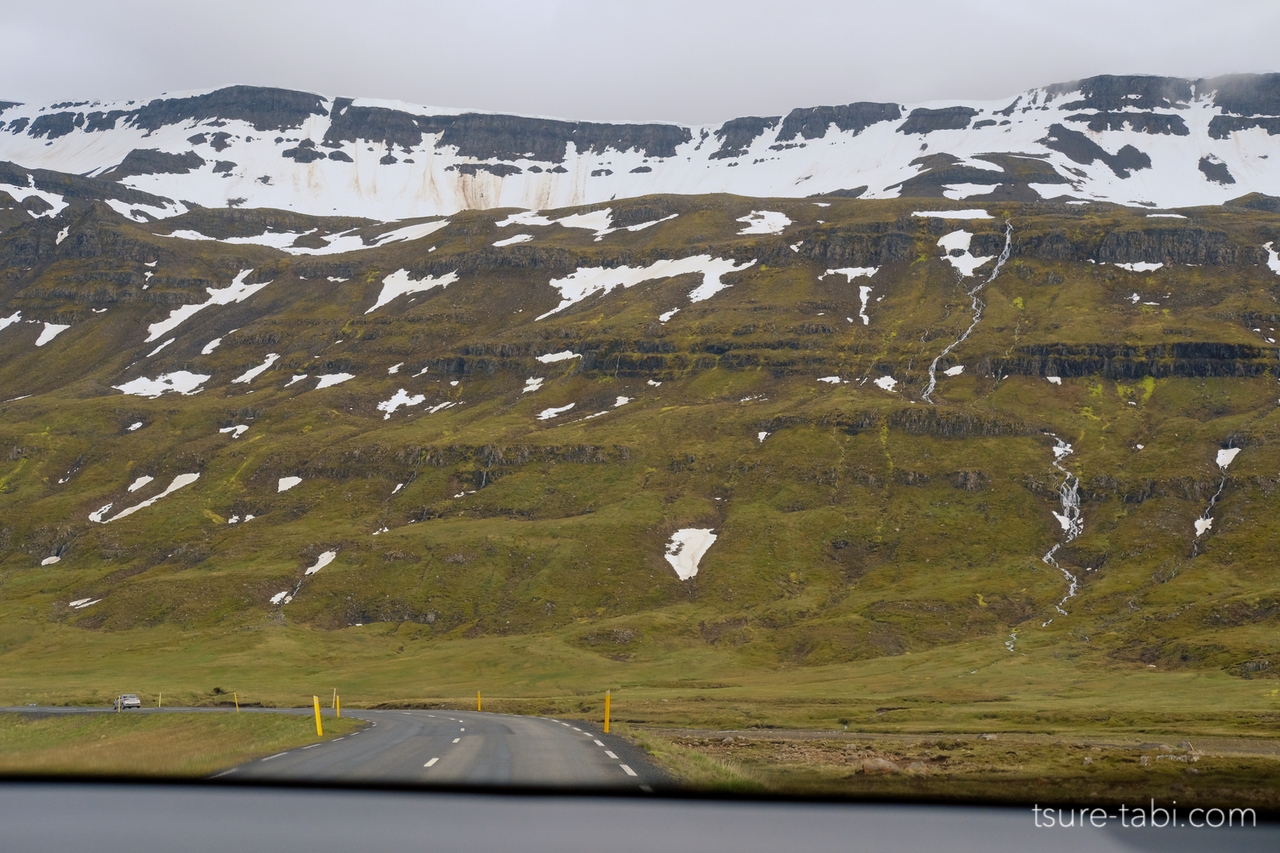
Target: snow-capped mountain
x=1149, y=141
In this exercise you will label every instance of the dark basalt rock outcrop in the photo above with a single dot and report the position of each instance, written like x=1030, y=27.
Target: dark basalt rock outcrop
x=1174, y=245
x=813, y=122
x=846, y=248
x=75, y=186
x=487, y=137
x=1216, y=171
x=1114, y=92
x=1117, y=361
x=736, y=135
x=924, y=120
x=264, y=108
x=305, y=152
x=152, y=161
x=1084, y=150
x=54, y=125
x=1245, y=94
x=1165, y=123
x=944, y=169
x=501, y=170
x=1221, y=127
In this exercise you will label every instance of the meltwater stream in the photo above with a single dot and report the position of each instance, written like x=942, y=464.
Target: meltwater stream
x=978, y=306
x=1070, y=518
x=1205, y=522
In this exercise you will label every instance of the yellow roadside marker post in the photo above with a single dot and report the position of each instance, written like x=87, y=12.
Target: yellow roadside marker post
x=334, y=704
x=337, y=704
x=479, y=707
x=606, y=712
x=236, y=697
x=159, y=698
x=315, y=700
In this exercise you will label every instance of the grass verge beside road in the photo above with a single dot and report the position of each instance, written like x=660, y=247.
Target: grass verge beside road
x=129, y=744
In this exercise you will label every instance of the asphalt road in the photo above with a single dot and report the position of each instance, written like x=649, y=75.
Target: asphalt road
x=447, y=748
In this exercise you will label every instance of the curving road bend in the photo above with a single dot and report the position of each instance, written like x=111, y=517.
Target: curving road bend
x=462, y=748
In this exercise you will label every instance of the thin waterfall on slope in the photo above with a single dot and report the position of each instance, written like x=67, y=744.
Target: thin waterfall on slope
x=978, y=306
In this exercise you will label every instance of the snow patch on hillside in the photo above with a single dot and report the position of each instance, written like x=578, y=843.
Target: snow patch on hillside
x=600, y=280
x=323, y=560
x=182, y=381
x=548, y=414
x=400, y=398
x=328, y=380
x=551, y=357
x=179, y=482
x=237, y=291
x=400, y=284
x=955, y=248
x=345, y=241
x=686, y=549
x=764, y=222
x=20, y=194
x=254, y=372
x=49, y=332
x=974, y=213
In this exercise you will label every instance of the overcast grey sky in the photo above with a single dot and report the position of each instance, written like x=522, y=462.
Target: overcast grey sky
x=677, y=60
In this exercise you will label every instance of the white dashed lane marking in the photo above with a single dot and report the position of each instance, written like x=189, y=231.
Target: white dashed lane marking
x=610, y=754
x=432, y=761
x=455, y=740
x=277, y=755
x=313, y=746
x=597, y=743
x=628, y=770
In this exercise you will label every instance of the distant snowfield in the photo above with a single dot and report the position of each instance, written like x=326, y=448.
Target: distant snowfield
x=429, y=179
x=687, y=547
x=287, y=483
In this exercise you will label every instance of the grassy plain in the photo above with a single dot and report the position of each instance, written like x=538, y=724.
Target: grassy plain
x=167, y=744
